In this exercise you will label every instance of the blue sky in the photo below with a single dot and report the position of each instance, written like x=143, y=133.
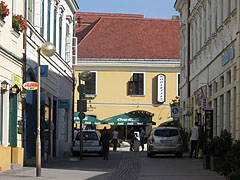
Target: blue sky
x=163, y=9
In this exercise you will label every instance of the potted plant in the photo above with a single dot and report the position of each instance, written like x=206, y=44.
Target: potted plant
x=18, y=23
x=222, y=145
x=4, y=11
x=231, y=166
x=208, y=152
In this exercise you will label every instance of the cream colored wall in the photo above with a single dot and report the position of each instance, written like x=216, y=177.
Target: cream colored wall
x=112, y=96
x=7, y=39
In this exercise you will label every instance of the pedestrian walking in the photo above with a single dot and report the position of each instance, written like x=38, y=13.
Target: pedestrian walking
x=105, y=138
x=142, y=137
x=115, y=139
x=132, y=138
x=194, y=137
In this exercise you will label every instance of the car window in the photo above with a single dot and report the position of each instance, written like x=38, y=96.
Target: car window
x=166, y=132
x=88, y=136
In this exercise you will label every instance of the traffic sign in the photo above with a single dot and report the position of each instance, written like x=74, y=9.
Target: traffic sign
x=175, y=111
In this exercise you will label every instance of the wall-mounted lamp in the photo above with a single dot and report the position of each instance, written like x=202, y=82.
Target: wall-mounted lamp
x=23, y=94
x=4, y=85
x=15, y=90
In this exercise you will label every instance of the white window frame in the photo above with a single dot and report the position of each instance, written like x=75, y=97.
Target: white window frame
x=144, y=81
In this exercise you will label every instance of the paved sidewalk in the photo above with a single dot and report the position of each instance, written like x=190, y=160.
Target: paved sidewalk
x=122, y=165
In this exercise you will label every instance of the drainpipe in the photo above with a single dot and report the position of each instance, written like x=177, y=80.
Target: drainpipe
x=188, y=52
x=24, y=136
x=73, y=79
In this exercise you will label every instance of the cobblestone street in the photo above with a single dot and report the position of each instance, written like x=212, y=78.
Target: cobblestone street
x=122, y=165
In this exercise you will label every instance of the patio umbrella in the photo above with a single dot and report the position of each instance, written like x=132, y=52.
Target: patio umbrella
x=87, y=120
x=127, y=119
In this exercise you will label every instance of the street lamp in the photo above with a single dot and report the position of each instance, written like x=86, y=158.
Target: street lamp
x=84, y=76
x=48, y=49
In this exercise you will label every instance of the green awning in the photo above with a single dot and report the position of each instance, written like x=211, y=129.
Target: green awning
x=128, y=119
x=87, y=120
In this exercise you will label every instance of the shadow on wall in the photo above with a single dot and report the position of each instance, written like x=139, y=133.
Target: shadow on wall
x=50, y=88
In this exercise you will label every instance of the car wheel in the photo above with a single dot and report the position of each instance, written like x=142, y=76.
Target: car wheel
x=149, y=154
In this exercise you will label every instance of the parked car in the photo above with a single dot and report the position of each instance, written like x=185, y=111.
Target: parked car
x=91, y=142
x=165, y=140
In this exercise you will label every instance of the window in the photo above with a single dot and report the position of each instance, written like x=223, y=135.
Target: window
x=91, y=84
x=42, y=27
x=68, y=45
x=55, y=27
x=229, y=77
x=229, y=7
x=138, y=83
x=60, y=35
x=49, y=20
x=210, y=90
x=221, y=112
x=222, y=82
x=166, y=132
x=215, y=86
x=235, y=73
x=228, y=109
x=30, y=11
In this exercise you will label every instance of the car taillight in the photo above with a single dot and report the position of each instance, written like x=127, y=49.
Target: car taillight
x=153, y=139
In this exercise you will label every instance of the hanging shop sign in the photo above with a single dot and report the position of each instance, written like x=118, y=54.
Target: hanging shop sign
x=30, y=85
x=161, y=81
x=63, y=103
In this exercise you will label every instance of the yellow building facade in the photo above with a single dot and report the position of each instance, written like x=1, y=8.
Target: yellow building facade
x=111, y=96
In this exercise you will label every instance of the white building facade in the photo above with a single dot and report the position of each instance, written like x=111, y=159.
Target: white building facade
x=52, y=21
x=210, y=64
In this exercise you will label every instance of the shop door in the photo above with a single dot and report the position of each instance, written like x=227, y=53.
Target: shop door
x=13, y=121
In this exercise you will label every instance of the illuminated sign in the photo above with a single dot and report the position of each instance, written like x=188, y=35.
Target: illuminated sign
x=161, y=81
x=30, y=85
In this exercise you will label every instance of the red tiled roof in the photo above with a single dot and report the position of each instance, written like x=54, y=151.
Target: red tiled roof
x=127, y=37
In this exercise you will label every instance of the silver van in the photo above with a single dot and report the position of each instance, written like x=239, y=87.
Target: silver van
x=165, y=140
x=91, y=142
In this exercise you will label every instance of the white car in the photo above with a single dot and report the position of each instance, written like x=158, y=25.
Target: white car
x=91, y=142
x=165, y=140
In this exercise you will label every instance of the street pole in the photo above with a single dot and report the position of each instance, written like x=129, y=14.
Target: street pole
x=80, y=117
x=38, y=140
x=48, y=49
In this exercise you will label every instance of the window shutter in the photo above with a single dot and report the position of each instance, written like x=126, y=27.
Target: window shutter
x=30, y=10
x=68, y=49
x=130, y=88
x=38, y=15
x=74, y=50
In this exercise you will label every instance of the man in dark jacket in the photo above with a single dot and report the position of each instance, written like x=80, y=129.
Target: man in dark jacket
x=105, y=138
